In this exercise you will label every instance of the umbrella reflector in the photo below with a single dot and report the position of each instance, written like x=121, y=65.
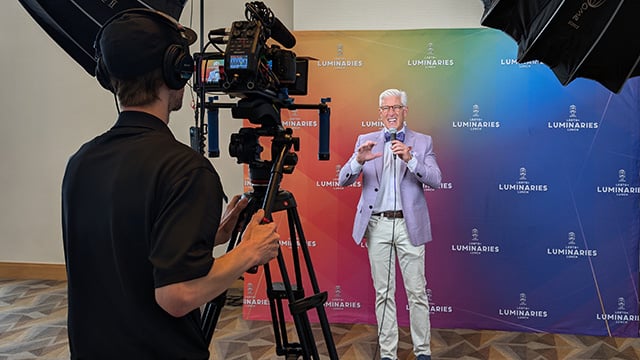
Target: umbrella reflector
x=613, y=55
x=517, y=18
x=595, y=39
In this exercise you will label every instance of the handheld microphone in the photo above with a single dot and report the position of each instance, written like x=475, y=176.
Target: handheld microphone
x=392, y=136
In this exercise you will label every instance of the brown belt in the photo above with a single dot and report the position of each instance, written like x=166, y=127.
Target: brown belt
x=390, y=214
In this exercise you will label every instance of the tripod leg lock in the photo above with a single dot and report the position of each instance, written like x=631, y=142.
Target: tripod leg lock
x=308, y=303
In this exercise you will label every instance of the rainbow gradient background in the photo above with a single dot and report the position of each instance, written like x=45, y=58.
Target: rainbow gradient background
x=525, y=282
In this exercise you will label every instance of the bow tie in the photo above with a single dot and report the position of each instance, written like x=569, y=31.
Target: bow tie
x=399, y=136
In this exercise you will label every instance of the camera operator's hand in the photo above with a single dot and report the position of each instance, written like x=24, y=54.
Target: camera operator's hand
x=260, y=241
x=260, y=244
x=230, y=219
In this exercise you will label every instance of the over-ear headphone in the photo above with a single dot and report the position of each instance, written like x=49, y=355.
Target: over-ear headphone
x=177, y=63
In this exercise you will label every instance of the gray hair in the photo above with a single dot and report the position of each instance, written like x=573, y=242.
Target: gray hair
x=394, y=92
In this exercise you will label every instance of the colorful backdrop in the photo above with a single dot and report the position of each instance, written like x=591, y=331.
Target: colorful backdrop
x=536, y=222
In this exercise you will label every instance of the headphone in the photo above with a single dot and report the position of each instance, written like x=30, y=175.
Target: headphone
x=177, y=64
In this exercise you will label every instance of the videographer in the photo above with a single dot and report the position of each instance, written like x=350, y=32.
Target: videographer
x=141, y=212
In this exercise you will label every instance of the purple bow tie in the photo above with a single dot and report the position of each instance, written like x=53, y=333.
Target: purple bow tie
x=399, y=136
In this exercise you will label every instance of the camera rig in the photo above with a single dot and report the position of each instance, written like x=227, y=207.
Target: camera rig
x=262, y=77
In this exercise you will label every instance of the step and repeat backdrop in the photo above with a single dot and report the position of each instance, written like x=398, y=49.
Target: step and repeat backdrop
x=535, y=224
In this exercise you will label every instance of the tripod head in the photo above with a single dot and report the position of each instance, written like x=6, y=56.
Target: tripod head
x=245, y=145
x=246, y=148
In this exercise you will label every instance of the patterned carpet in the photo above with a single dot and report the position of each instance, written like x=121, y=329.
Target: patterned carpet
x=33, y=326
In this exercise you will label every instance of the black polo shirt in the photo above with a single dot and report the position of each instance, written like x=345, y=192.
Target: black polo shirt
x=139, y=210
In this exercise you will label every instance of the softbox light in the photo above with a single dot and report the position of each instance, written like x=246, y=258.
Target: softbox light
x=74, y=24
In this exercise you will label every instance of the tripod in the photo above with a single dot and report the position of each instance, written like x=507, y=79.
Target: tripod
x=272, y=199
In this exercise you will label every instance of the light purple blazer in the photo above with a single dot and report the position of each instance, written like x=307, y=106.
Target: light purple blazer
x=414, y=205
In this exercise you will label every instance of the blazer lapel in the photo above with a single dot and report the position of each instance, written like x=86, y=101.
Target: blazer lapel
x=379, y=148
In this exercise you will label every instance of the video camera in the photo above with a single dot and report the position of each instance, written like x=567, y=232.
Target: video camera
x=263, y=76
x=248, y=65
x=212, y=76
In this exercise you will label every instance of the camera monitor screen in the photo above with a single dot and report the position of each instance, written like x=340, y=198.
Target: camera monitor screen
x=211, y=66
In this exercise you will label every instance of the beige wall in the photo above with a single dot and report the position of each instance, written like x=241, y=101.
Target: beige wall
x=50, y=105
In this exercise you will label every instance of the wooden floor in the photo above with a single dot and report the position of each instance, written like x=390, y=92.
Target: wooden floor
x=33, y=326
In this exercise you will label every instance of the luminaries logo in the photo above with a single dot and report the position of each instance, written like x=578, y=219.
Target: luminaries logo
x=434, y=307
x=340, y=61
x=572, y=250
x=475, y=122
x=475, y=246
x=620, y=316
x=523, y=186
x=372, y=124
x=295, y=121
x=338, y=302
x=289, y=244
x=248, y=184
x=621, y=188
x=443, y=186
x=523, y=311
x=430, y=59
x=334, y=183
x=251, y=299
x=572, y=123
x=514, y=62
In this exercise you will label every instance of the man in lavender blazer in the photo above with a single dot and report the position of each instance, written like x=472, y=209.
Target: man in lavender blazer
x=393, y=217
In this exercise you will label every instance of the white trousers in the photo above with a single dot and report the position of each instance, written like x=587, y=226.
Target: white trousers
x=386, y=240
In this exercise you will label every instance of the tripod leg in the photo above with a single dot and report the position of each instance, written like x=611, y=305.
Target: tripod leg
x=299, y=305
x=320, y=297
x=212, y=310
x=211, y=314
x=307, y=346
x=277, y=292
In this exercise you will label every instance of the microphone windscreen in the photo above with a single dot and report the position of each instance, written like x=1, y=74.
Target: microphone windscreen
x=281, y=34
x=392, y=133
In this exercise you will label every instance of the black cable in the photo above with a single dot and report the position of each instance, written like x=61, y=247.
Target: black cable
x=391, y=252
x=197, y=77
x=115, y=98
x=257, y=10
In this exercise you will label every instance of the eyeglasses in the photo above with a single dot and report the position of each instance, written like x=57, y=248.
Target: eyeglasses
x=386, y=108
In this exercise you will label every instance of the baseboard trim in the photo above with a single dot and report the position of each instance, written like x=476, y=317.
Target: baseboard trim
x=23, y=271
